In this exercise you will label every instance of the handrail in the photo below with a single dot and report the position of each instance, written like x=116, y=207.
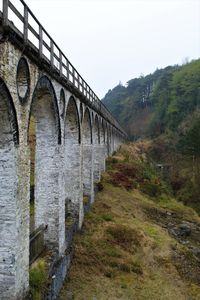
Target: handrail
x=60, y=62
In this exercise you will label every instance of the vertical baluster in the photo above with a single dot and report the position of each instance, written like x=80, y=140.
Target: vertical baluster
x=25, y=24
x=67, y=64
x=60, y=62
x=73, y=79
x=5, y=12
x=52, y=54
x=78, y=82
x=40, y=41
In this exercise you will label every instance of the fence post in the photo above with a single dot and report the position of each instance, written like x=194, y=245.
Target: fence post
x=40, y=41
x=25, y=24
x=52, y=53
x=5, y=12
x=60, y=62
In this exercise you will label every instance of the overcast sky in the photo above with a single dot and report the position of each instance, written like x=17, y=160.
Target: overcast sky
x=116, y=40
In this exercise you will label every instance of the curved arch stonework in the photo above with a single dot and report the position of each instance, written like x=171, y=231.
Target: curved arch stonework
x=62, y=103
x=5, y=94
x=72, y=156
x=44, y=112
x=9, y=197
x=102, y=158
x=87, y=158
x=23, y=80
x=44, y=85
x=96, y=148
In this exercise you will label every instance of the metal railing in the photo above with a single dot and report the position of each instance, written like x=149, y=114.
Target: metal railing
x=48, y=50
x=37, y=244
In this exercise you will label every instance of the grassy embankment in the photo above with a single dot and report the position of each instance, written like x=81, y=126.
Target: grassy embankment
x=126, y=250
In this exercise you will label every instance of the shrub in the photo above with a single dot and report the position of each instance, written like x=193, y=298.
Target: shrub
x=107, y=218
x=151, y=189
x=124, y=236
x=38, y=279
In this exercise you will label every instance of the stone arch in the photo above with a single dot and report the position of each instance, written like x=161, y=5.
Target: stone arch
x=106, y=132
x=102, y=147
x=81, y=112
x=96, y=130
x=44, y=123
x=87, y=127
x=9, y=139
x=112, y=139
x=72, y=121
x=87, y=156
x=12, y=115
x=109, y=139
x=45, y=86
x=23, y=80
x=62, y=103
x=72, y=157
x=96, y=148
x=102, y=132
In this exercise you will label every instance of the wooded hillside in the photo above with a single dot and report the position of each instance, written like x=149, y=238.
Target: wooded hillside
x=168, y=99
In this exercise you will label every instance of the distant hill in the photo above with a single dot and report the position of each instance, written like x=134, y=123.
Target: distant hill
x=149, y=105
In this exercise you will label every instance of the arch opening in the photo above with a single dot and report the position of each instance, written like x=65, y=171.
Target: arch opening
x=87, y=157
x=8, y=192
x=23, y=80
x=73, y=189
x=43, y=139
x=97, y=150
x=102, y=147
x=62, y=103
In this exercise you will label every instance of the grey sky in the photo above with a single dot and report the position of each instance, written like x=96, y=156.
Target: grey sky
x=112, y=40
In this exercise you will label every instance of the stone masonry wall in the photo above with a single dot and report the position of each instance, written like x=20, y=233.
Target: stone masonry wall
x=64, y=162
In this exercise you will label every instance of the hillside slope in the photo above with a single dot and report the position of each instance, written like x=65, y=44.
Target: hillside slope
x=151, y=104
x=138, y=242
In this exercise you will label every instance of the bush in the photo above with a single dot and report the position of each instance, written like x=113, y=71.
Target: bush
x=124, y=236
x=151, y=189
x=38, y=279
x=107, y=218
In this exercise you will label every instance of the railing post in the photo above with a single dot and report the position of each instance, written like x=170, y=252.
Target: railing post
x=78, y=82
x=40, y=41
x=67, y=65
x=73, y=79
x=5, y=12
x=60, y=62
x=52, y=53
x=25, y=24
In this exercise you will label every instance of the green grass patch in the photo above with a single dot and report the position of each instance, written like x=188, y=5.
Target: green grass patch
x=154, y=233
x=107, y=217
x=38, y=279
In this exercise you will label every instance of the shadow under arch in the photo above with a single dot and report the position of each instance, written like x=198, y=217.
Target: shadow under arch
x=87, y=127
x=73, y=110
x=72, y=164
x=87, y=160
x=96, y=149
x=103, y=132
x=96, y=130
x=10, y=221
x=44, y=137
x=44, y=85
x=5, y=94
x=62, y=102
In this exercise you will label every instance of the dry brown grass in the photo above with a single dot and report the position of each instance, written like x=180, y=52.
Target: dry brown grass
x=123, y=254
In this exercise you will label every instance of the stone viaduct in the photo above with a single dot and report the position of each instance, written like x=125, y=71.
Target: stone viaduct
x=41, y=92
